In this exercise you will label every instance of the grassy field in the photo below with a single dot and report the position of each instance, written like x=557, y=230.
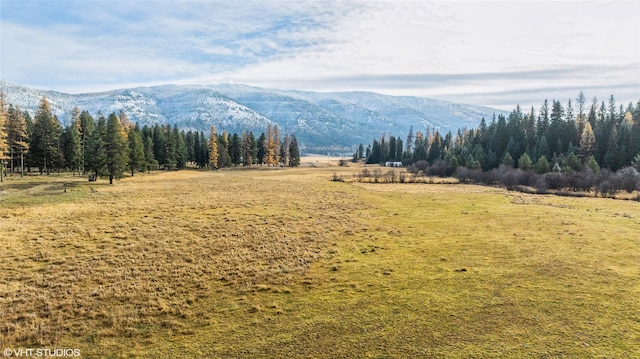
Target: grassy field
x=285, y=263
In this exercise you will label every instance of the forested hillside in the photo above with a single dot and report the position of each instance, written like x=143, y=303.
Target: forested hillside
x=585, y=142
x=113, y=145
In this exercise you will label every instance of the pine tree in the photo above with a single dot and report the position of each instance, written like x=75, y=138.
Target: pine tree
x=45, y=140
x=262, y=149
x=524, y=162
x=408, y=152
x=181, y=148
x=189, y=142
x=171, y=154
x=294, y=152
x=159, y=146
x=556, y=130
x=224, y=160
x=149, y=159
x=213, y=149
x=507, y=160
x=542, y=165
x=204, y=151
x=72, y=148
x=137, y=158
x=392, y=149
x=87, y=125
x=95, y=156
x=543, y=119
x=116, y=148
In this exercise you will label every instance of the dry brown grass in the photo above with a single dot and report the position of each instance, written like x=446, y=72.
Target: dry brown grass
x=285, y=263
x=137, y=256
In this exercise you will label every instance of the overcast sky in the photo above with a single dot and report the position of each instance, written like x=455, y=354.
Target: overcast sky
x=489, y=53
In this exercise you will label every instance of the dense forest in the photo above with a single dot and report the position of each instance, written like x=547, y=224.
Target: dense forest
x=586, y=146
x=113, y=146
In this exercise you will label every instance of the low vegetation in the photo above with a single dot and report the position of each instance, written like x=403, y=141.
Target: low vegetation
x=284, y=262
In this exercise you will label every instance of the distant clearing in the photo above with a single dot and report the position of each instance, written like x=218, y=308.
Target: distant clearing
x=286, y=263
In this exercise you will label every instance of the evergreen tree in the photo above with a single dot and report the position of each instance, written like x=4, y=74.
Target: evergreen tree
x=96, y=156
x=391, y=156
x=137, y=160
x=530, y=131
x=592, y=164
x=235, y=149
x=204, y=151
x=420, y=147
x=399, y=146
x=181, y=148
x=556, y=130
x=376, y=155
x=170, y=148
x=262, y=149
x=409, y=149
x=87, y=125
x=149, y=159
x=72, y=148
x=45, y=140
x=507, y=160
x=294, y=152
x=224, y=160
x=542, y=126
x=524, y=162
x=159, y=146
x=115, y=148
x=189, y=141
x=542, y=165
x=435, y=149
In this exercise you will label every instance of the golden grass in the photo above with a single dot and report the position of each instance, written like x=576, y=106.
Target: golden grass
x=285, y=263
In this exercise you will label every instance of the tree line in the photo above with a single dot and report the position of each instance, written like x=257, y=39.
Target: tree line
x=568, y=139
x=113, y=145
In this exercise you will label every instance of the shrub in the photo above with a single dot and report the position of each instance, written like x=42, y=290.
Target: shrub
x=555, y=180
x=627, y=179
x=509, y=180
x=376, y=175
x=541, y=185
x=438, y=168
x=581, y=181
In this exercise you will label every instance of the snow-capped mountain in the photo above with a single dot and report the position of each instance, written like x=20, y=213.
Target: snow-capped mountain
x=323, y=122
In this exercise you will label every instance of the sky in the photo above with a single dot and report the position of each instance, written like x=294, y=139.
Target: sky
x=498, y=54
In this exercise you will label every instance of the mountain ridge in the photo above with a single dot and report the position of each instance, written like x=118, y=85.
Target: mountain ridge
x=323, y=122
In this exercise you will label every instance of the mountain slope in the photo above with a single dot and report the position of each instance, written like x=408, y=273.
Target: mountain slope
x=323, y=122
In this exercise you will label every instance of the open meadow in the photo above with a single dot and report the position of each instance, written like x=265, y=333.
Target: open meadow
x=280, y=262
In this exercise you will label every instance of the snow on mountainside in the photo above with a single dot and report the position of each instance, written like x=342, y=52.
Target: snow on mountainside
x=323, y=122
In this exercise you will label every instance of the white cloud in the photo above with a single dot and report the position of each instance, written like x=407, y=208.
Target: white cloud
x=491, y=53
